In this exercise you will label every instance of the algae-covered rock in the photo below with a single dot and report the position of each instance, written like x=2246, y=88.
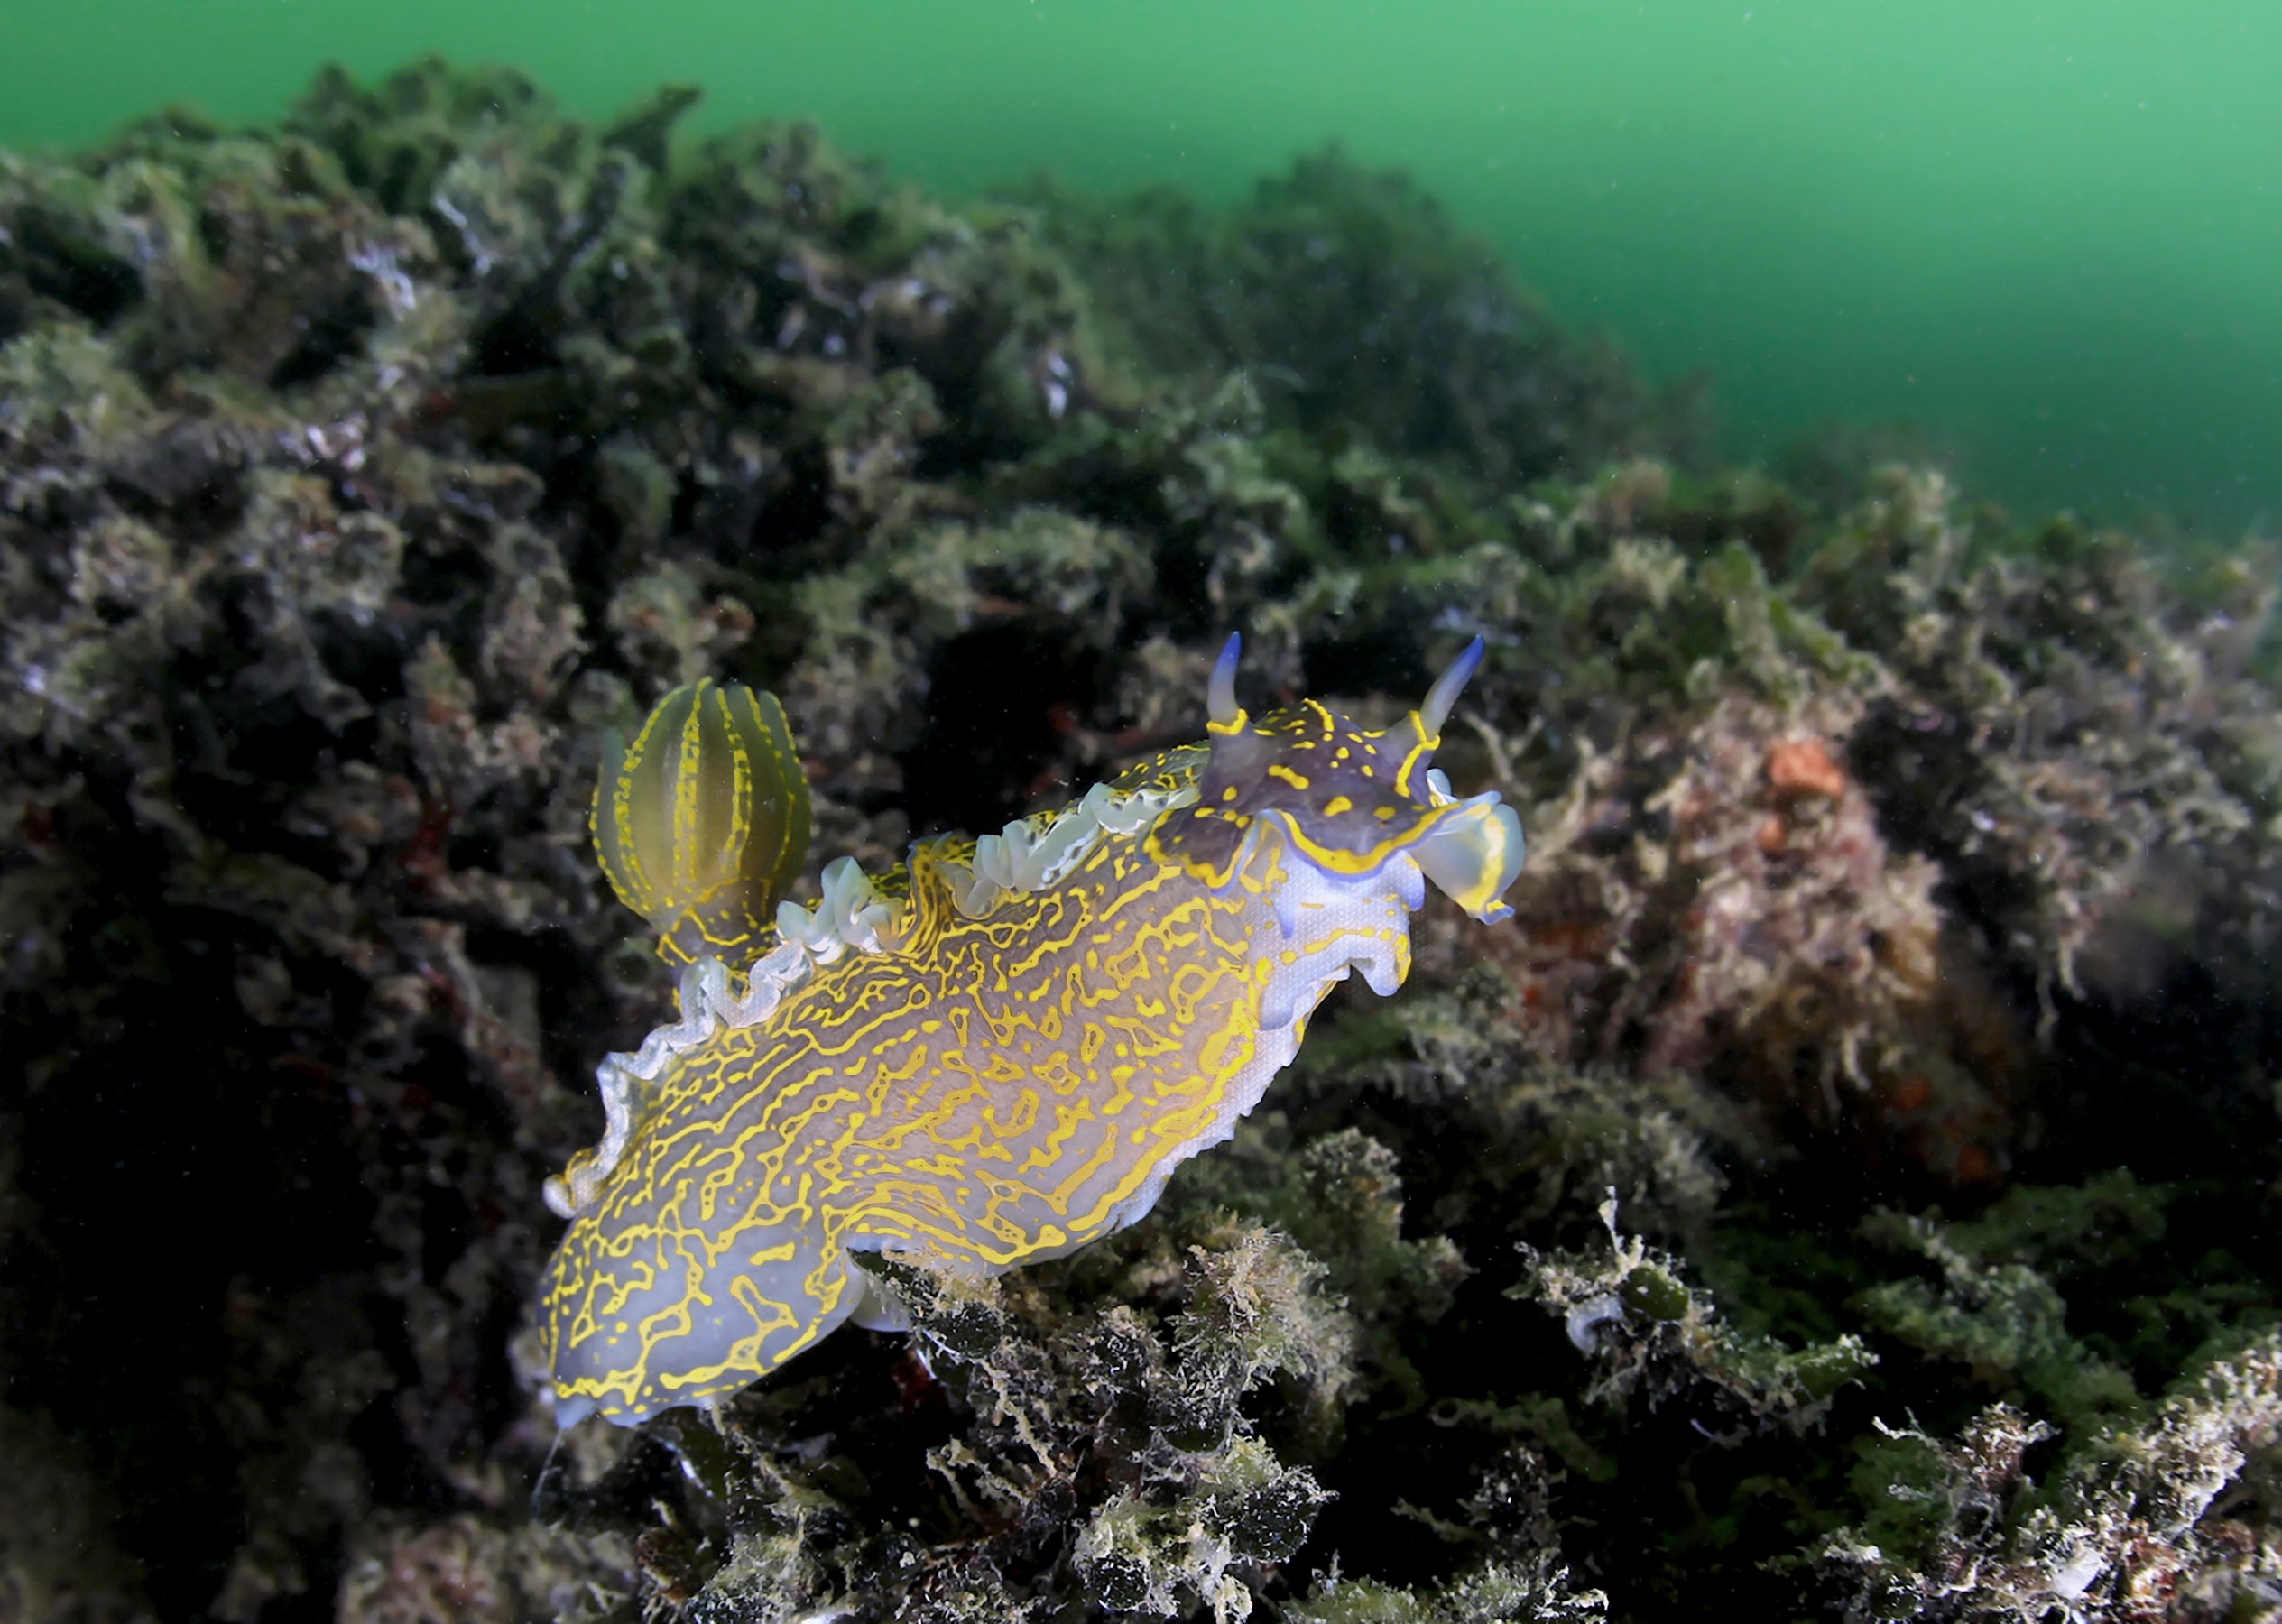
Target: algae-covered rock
x=1849, y=1187
x=2168, y=1513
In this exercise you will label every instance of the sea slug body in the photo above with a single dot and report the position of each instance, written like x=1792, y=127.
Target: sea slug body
x=987, y=1059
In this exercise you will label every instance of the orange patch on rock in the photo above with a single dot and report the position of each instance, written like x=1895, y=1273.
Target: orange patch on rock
x=1803, y=770
x=1975, y=1166
x=1913, y=1093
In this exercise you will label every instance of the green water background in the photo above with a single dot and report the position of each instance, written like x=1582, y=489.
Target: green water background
x=2049, y=233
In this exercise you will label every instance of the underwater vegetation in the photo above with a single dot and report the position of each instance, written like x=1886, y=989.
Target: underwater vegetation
x=1847, y=1187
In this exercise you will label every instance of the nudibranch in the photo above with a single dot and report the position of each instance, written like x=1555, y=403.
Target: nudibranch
x=987, y=1059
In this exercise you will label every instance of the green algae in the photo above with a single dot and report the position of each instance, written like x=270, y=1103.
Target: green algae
x=1857, y=1167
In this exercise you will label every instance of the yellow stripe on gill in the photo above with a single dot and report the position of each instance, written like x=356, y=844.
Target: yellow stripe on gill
x=702, y=823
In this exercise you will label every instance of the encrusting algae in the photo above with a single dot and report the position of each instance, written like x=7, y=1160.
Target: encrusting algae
x=987, y=1060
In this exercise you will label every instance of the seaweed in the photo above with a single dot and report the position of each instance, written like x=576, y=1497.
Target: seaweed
x=1850, y=1188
